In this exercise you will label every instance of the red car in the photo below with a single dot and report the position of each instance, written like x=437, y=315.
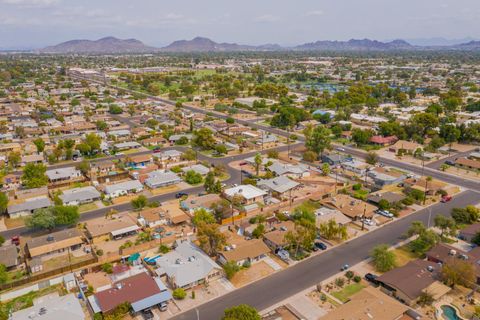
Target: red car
x=446, y=199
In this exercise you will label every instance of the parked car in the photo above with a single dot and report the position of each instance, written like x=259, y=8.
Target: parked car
x=371, y=278
x=243, y=163
x=446, y=198
x=368, y=222
x=163, y=306
x=283, y=254
x=147, y=314
x=157, y=150
x=321, y=245
x=345, y=267
x=385, y=213
x=15, y=240
x=340, y=149
x=178, y=195
x=450, y=162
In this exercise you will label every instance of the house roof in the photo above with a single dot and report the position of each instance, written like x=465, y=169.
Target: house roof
x=468, y=163
x=245, y=190
x=391, y=197
x=277, y=236
x=383, y=140
x=61, y=173
x=198, y=168
x=287, y=168
x=126, y=185
x=141, y=158
x=407, y=145
x=369, y=303
x=325, y=214
x=351, y=207
x=134, y=290
x=9, y=255
x=186, y=264
x=80, y=194
x=30, y=205
x=247, y=249
x=54, y=241
x=52, y=307
x=412, y=278
x=101, y=226
x=471, y=230
x=279, y=184
x=159, y=178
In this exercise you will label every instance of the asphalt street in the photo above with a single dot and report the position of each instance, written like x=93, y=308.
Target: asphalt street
x=279, y=286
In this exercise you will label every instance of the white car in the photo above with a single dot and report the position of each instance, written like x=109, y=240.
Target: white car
x=341, y=149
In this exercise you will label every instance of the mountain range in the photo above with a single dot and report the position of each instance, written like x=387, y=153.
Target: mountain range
x=201, y=44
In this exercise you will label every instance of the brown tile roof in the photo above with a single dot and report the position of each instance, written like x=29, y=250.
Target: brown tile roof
x=54, y=241
x=471, y=230
x=468, y=163
x=101, y=226
x=369, y=303
x=350, y=206
x=412, y=278
x=247, y=249
x=132, y=289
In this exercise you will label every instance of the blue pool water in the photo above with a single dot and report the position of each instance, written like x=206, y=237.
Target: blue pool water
x=449, y=313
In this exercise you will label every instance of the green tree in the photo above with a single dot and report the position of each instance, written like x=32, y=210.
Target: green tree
x=203, y=138
x=14, y=159
x=230, y=268
x=203, y=216
x=66, y=215
x=210, y=237
x=259, y=231
x=241, y=312
x=258, y=162
x=3, y=274
x=41, y=219
x=459, y=272
x=179, y=293
x=39, y=144
x=139, y=202
x=210, y=185
x=332, y=230
x=445, y=224
x=325, y=169
x=383, y=259
x=34, y=175
x=192, y=177
x=3, y=202
x=317, y=139
x=372, y=158
x=467, y=215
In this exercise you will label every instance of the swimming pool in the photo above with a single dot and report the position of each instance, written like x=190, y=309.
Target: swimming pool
x=449, y=313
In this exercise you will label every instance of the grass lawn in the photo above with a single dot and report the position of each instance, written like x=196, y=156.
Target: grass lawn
x=404, y=255
x=87, y=207
x=349, y=290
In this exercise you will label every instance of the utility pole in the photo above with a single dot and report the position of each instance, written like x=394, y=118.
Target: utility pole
x=363, y=216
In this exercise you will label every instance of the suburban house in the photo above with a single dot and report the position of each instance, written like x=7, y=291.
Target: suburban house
x=356, y=166
x=407, y=283
x=246, y=252
x=139, y=161
x=152, y=217
x=160, y=178
x=52, y=306
x=141, y=290
x=371, y=303
x=9, y=256
x=102, y=168
x=63, y=175
x=56, y=242
x=390, y=197
x=169, y=156
x=384, y=177
x=194, y=203
x=28, y=207
x=353, y=208
x=123, y=188
x=102, y=229
x=334, y=159
x=77, y=196
x=324, y=215
x=294, y=171
x=405, y=146
x=127, y=145
x=469, y=164
x=250, y=193
x=197, y=168
x=275, y=239
x=469, y=232
x=279, y=186
x=187, y=266
x=383, y=141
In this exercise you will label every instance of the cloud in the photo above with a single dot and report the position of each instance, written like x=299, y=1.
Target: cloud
x=31, y=3
x=314, y=13
x=267, y=18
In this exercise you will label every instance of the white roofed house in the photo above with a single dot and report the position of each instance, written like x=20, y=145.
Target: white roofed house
x=159, y=178
x=28, y=207
x=279, y=187
x=198, y=168
x=187, y=266
x=295, y=171
x=77, y=196
x=250, y=193
x=123, y=188
x=64, y=175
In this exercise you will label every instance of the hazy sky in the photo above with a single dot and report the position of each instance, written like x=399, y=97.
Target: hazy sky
x=36, y=23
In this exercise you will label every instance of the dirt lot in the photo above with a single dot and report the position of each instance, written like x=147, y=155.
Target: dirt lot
x=257, y=271
x=97, y=279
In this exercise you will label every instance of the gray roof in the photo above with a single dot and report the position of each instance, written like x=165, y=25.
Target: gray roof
x=52, y=307
x=281, y=169
x=198, y=168
x=126, y=185
x=170, y=153
x=186, y=264
x=30, y=205
x=157, y=178
x=80, y=194
x=279, y=184
x=62, y=173
x=9, y=255
x=129, y=144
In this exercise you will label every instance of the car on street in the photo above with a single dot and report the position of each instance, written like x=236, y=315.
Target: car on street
x=450, y=162
x=320, y=245
x=341, y=149
x=370, y=277
x=178, y=195
x=345, y=267
x=446, y=199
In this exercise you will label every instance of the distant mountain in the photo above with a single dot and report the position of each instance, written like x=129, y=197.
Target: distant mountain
x=355, y=45
x=437, y=42
x=200, y=44
x=472, y=45
x=104, y=45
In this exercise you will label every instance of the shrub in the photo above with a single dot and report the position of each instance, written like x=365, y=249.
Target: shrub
x=107, y=268
x=339, y=282
x=247, y=264
x=323, y=297
x=357, y=279
x=99, y=252
x=163, y=249
x=179, y=294
x=230, y=268
x=349, y=274
x=357, y=186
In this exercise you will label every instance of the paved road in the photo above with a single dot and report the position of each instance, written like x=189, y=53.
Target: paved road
x=235, y=177
x=279, y=286
x=437, y=164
